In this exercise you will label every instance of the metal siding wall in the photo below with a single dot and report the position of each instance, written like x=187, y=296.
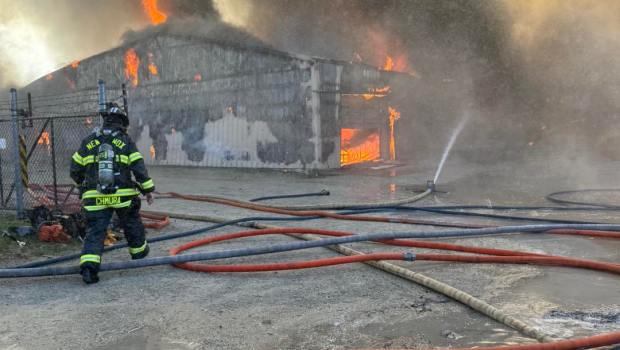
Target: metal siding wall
x=228, y=118
x=271, y=94
x=329, y=107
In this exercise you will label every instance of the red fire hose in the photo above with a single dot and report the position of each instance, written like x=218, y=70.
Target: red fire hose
x=491, y=256
x=155, y=221
x=497, y=256
x=594, y=341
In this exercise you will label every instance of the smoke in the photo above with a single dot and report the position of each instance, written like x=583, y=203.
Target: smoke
x=540, y=77
x=569, y=49
x=198, y=27
x=39, y=36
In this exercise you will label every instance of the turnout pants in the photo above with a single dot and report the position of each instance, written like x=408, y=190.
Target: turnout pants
x=98, y=222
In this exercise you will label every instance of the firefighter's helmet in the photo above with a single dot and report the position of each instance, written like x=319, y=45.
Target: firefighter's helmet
x=115, y=115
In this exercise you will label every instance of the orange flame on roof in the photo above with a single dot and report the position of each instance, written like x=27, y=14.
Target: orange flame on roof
x=394, y=116
x=155, y=14
x=398, y=64
x=132, y=62
x=75, y=64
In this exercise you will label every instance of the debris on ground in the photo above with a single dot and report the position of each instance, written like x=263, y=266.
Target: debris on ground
x=451, y=335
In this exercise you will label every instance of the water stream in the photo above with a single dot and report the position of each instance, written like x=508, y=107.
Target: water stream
x=453, y=137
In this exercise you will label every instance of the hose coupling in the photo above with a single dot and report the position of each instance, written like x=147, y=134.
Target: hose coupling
x=430, y=185
x=409, y=256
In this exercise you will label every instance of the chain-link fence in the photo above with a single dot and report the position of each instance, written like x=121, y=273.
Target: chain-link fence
x=49, y=130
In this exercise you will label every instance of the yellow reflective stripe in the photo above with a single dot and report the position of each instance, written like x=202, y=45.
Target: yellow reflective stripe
x=88, y=160
x=147, y=185
x=138, y=250
x=95, y=207
x=122, y=159
x=90, y=258
x=102, y=207
x=134, y=156
x=77, y=158
x=121, y=205
x=119, y=192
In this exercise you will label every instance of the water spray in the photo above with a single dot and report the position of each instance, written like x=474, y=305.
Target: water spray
x=446, y=152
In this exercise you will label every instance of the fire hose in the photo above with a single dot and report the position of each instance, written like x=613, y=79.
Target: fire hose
x=500, y=255
x=594, y=341
x=66, y=270
x=325, y=214
x=328, y=206
x=554, y=197
x=527, y=258
x=288, y=196
x=344, y=215
x=418, y=278
x=515, y=258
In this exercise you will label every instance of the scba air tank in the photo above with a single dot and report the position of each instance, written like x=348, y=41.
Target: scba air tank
x=106, y=169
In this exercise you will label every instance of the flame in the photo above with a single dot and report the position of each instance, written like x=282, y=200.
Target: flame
x=398, y=65
x=365, y=151
x=152, y=67
x=394, y=116
x=378, y=92
x=49, y=77
x=155, y=14
x=392, y=188
x=44, y=139
x=152, y=151
x=75, y=64
x=389, y=63
x=198, y=77
x=132, y=62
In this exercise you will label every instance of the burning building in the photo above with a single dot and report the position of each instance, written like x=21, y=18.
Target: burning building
x=199, y=100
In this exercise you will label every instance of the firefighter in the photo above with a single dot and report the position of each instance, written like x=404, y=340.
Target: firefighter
x=102, y=168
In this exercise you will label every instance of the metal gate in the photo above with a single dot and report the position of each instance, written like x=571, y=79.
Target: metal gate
x=38, y=136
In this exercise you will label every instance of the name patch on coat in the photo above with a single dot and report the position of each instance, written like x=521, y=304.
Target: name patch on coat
x=108, y=200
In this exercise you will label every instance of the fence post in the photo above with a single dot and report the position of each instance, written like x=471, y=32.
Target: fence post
x=17, y=181
x=125, y=106
x=54, y=171
x=102, y=97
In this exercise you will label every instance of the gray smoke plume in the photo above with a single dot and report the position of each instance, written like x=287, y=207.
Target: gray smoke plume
x=38, y=36
x=539, y=77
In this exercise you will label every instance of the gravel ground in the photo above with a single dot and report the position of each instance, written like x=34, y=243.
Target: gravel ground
x=342, y=307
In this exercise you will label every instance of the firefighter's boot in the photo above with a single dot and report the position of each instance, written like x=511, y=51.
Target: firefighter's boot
x=89, y=273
